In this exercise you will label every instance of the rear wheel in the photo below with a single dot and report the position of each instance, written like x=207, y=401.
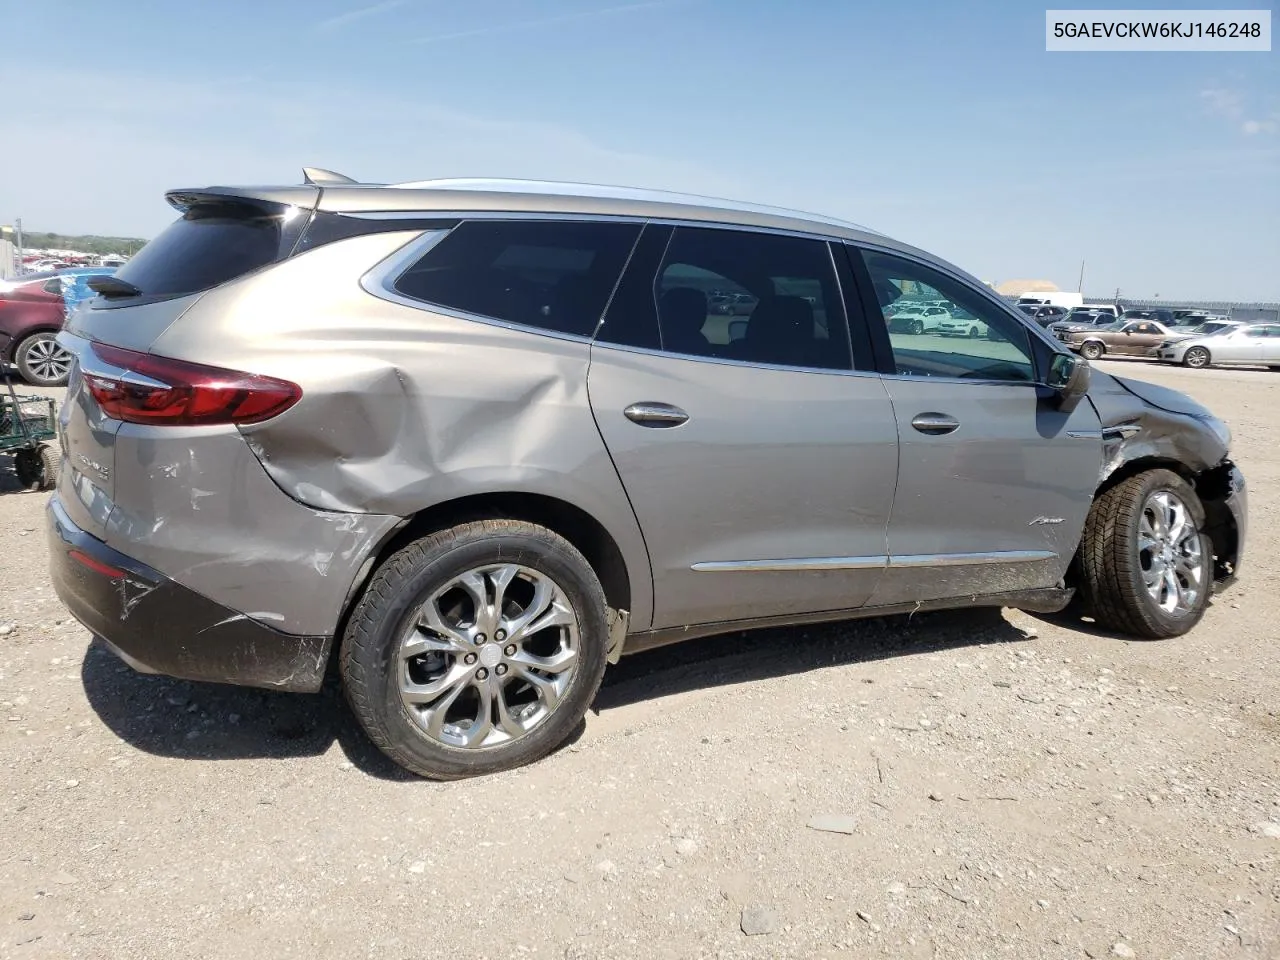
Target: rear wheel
x=1091, y=350
x=1145, y=563
x=1196, y=357
x=50, y=462
x=41, y=361
x=476, y=649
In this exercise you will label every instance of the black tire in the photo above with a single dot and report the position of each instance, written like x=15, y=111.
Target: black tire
x=41, y=361
x=1092, y=350
x=393, y=596
x=974, y=333
x=50, y=461
x=915, y=327
x=1110, y=565
x=1273, y=367
x=1196, y=358
x=27, y=468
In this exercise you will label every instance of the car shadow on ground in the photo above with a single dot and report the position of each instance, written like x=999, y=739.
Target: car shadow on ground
x=203, y=721
x=9, y=478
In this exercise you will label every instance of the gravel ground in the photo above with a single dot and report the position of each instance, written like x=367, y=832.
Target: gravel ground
x=953, y=786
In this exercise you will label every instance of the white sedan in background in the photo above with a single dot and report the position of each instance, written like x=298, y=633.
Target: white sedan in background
x=1254, y=344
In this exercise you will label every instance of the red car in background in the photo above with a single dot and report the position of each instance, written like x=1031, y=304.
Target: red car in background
x=32, y=309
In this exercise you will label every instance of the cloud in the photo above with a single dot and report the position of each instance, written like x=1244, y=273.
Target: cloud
x=1230, y=105
x=360, y=13
x=545, y=21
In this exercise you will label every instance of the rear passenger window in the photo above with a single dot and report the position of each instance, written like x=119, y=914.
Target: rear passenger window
x=754, y=297
x=550, y=274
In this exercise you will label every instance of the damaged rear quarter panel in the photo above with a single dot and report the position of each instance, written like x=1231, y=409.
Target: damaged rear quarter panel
x=404, y=408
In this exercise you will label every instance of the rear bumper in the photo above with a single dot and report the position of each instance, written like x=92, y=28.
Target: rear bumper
x=159, y=626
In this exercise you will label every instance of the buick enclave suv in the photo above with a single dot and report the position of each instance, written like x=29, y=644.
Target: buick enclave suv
x=467, y=442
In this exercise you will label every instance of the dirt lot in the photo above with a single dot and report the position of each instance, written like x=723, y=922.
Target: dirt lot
x=1010, y=787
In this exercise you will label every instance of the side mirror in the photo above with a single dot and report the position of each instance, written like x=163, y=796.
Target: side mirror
x=1069, y=379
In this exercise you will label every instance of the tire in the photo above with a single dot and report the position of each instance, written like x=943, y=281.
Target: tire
x=1113, y=578
x=1273, y=367
x=915, y=327
x=1196, y=358
x=974, y=333
x=41, y=361
x=50, y=461
x=1092, y=350
x=409, y=582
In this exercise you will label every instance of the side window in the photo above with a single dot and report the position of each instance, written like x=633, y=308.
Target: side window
x=1004, y=353
x=551, y=274
x=754, y=297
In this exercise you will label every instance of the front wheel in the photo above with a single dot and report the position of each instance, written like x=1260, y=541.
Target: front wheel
x=915, y=327
x=1091, y=350
x=41, y=361
x=1145, y=563
x=1196, y=357
x=476, y=649
x=974, y=333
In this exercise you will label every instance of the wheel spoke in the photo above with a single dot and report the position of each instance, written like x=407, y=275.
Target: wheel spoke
x=1153, y=575
x=546, y=690
x=509, y=724
x=482, y=725
x=558, y=662
x=477, y=587
x=420, y=641
x=1177, y=521
x=430, y=617
x=560, y=614
x=1173, y=589
x=452, y=682
x=501, y=579
x=544, y=594
x=436, y=714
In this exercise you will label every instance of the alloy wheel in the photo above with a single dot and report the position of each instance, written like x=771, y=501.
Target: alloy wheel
x=489, y=656
x=1170, y=554
x=48, y=361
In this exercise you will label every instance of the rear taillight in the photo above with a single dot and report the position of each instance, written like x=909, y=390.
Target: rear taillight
x=174, y=393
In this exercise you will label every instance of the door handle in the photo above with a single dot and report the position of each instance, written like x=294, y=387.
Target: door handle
x=935, y=424
x=649, y=414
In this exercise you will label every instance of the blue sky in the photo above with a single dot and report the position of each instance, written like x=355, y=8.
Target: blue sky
x=946, y=125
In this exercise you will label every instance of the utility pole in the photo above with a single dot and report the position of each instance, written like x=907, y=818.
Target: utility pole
x=1080, y=285
x=21, y=265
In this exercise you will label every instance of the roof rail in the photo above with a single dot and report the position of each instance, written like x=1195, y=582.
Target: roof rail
x=315, y=175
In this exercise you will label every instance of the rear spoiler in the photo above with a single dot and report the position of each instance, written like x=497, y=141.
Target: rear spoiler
x=270, y=200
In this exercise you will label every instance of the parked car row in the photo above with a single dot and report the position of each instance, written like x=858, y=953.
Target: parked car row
x=1215, y=341
x=32, y=310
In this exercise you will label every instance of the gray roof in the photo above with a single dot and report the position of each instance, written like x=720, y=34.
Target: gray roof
x=541, y=196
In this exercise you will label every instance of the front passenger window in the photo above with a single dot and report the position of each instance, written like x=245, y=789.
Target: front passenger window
x=1003, y=352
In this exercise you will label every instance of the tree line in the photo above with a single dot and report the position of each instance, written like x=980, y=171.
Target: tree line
x=90, y=243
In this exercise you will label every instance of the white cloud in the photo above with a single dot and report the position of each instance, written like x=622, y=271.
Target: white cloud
x=1231, y=105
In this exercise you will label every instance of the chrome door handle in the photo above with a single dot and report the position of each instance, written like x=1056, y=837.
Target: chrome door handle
x=649, y=414
x=935, y=424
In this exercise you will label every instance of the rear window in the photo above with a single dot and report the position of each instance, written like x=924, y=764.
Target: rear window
x=550, y=274
x=210, y=245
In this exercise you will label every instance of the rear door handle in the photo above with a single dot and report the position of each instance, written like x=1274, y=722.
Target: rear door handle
x=650, y=414
x=935, y=424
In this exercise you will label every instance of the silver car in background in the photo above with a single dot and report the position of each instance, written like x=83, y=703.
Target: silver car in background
x=467, y=442
x=1254, y=344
